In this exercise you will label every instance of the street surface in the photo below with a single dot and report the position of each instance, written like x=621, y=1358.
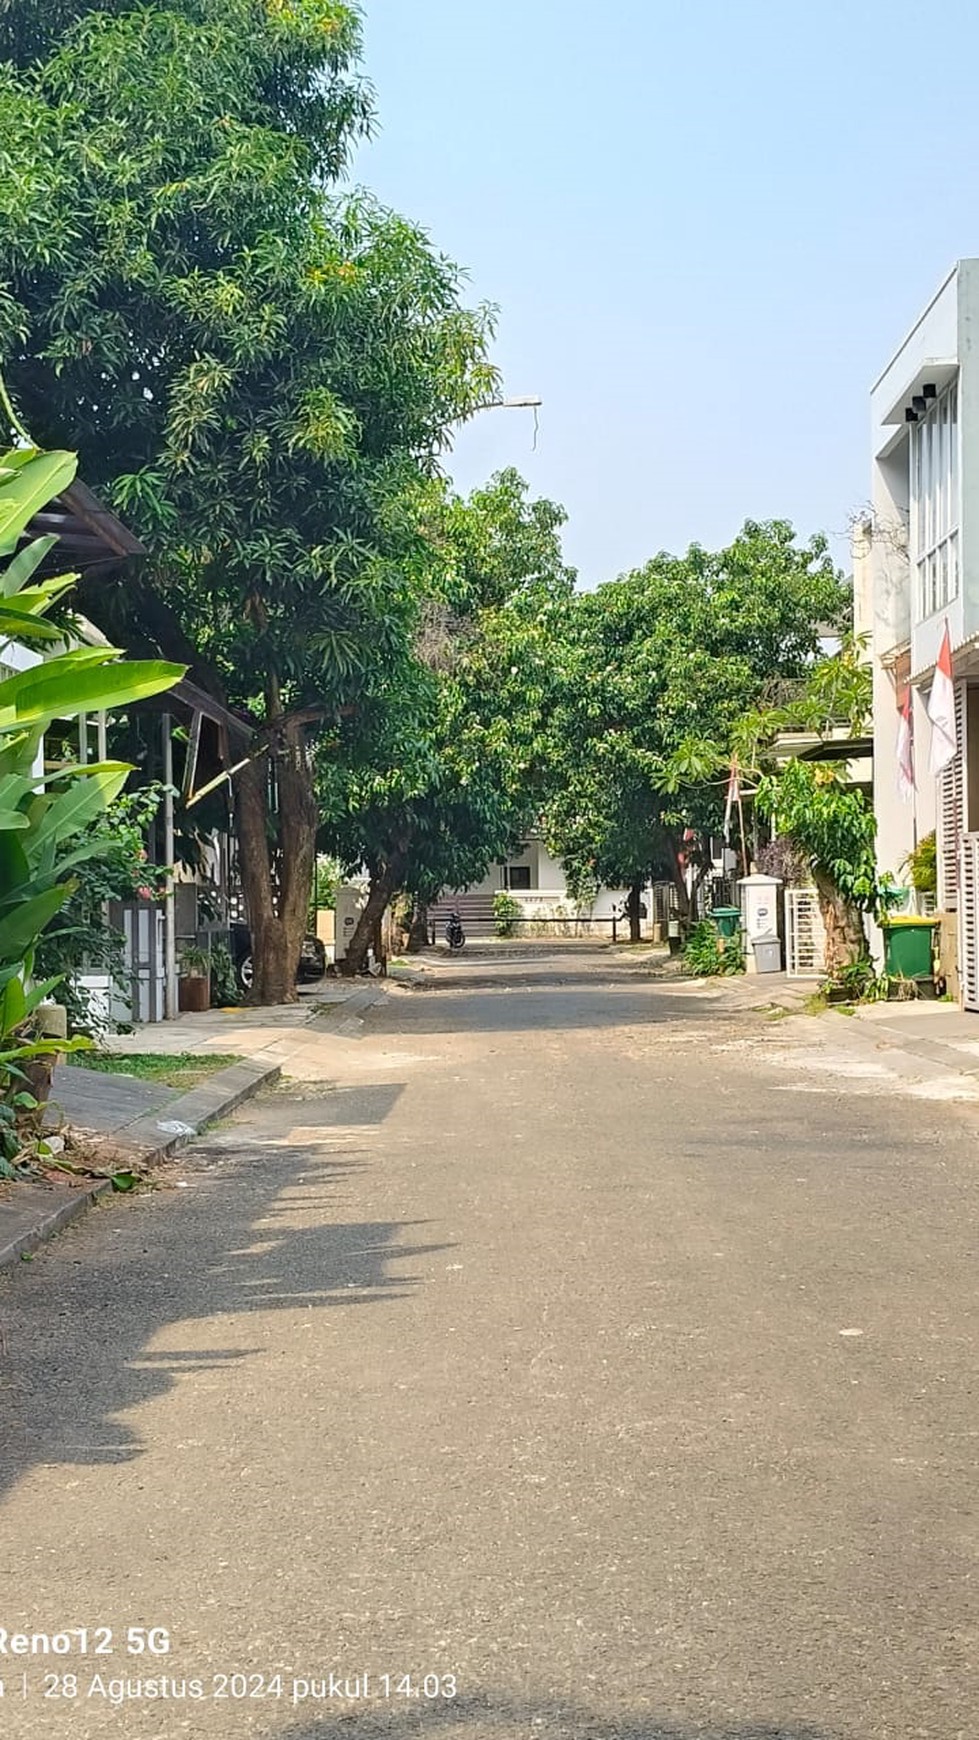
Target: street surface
x=582, y=1355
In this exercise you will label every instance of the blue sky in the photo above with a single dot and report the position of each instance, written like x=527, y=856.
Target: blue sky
x=706, y=227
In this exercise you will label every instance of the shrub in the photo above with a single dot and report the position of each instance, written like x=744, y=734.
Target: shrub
x=708, y=954
x=923, y=865
x=506, y=911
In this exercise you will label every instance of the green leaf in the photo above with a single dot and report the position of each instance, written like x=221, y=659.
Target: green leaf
x=87, y=797
x=34, y=481
x=20, y=928
x=24, y=626
x=64, y=687
x=26, y=562
x=13, y=1006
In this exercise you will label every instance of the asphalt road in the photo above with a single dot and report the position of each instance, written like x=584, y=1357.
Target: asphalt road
x=573, y=1360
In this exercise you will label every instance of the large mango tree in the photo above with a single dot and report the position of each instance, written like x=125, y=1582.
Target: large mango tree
x=44, y=810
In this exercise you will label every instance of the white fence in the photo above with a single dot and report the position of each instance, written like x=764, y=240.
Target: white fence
x=805, y=938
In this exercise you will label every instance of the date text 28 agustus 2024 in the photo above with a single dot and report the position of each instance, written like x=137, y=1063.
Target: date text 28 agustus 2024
x=74, y=1686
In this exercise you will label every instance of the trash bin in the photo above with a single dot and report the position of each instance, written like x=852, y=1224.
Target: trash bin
x=767, y=951
x=727, y=919
x=908, y=947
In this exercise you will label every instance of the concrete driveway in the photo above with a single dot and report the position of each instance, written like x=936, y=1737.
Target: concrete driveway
x=579, y=1355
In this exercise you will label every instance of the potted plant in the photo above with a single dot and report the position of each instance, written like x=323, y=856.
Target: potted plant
x=194, y=980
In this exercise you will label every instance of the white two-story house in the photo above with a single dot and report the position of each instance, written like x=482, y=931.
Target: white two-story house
x=920, y=550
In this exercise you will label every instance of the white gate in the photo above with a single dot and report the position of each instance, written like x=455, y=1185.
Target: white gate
x=805, y=938
x=969, y=920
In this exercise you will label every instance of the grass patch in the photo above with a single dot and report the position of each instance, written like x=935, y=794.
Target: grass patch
x=183, y=1069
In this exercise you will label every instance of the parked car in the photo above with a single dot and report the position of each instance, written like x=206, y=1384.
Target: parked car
x=312, y=957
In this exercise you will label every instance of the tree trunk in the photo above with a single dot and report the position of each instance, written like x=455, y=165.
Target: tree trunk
x=383, y=888
x=846, y=940
x=299, y=818
x=679, y=882
x=277, y=917
x=418, y=929
x=633, y=905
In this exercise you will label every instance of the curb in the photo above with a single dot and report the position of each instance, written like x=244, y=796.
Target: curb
x=151, y=1139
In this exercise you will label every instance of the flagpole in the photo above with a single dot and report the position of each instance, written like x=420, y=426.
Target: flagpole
x=744, y=843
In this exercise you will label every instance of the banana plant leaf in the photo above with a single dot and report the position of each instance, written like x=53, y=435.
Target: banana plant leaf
x=67, y=686
x=24, y=625
x=73, y=809
x=20, y=926
x=34, y=479
x=26, y=562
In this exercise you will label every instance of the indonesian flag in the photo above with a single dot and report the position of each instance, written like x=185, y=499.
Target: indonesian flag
x=941, y=709
x=905, y=750
x=733, y=797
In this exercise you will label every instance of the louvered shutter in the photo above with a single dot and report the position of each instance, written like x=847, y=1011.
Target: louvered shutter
x=951, y=811
x=969, y=922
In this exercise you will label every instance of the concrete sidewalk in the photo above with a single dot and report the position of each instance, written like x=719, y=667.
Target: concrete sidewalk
x=916, y=1033
x=288, y=1034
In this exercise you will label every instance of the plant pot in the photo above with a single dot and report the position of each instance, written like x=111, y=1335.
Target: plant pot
x=194, y=995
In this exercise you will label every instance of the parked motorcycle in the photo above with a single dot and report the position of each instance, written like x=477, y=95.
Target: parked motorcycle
x=455, y=936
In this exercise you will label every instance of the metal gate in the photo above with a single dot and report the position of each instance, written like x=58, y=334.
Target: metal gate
x=805, y=938
x=141, y=924
x=969, y=920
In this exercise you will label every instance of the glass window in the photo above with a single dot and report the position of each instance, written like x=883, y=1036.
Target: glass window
x=935, y=504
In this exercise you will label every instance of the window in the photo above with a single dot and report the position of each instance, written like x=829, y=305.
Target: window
x=935, y=504
x=518, y=876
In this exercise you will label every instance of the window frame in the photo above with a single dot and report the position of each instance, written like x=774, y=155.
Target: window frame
x=935, y=463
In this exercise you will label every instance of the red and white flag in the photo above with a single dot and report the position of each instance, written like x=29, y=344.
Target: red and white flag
x=941, y=709
x=733, y=797
x=905, y=750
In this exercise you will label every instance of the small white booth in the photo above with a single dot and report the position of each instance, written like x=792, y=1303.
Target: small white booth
x=759, y=915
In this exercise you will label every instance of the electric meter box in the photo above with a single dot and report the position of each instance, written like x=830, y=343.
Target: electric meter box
x=759, y=914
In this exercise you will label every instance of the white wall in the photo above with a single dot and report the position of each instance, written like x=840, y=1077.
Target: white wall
x=902, y=648
x=548, y=885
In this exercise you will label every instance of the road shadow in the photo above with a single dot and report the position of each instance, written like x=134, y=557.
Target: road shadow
x=255, y=1229
x=492, y=1716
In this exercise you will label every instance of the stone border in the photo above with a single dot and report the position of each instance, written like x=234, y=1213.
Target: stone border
x=148, y=1139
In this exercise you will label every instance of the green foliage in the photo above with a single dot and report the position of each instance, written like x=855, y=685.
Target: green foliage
x=922, y=863
x=708, y=955
x=12, y=1147
x=81, y=940
x=194, y=961
x=441, y=773
x=659, y=668
x=831, y=822
x=857, y=980
x=326, y=880
x=506, y=911
x=45, y=820
x=175, y=1069
x=837, y=692
x=258, y=371
x=225, y=990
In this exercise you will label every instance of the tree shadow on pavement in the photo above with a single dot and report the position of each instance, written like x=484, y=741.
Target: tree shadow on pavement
x=257, y=1229
x=488, y=1716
